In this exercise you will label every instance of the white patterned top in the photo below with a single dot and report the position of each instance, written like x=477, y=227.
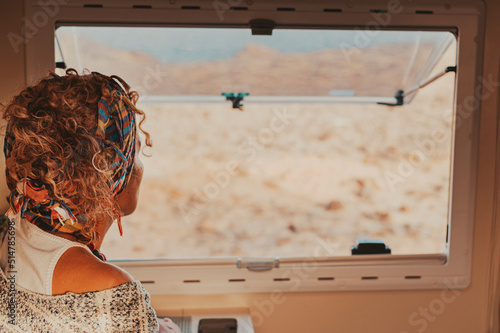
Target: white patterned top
x=124, y=308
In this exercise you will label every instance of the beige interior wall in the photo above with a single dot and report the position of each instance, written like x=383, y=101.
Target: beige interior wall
x=492, y=106
x=12, y=74
x=466, y=311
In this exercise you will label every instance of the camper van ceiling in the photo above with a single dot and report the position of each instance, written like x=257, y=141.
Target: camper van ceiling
x=280, y=65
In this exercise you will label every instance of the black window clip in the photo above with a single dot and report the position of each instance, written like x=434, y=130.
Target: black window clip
x=370, y=246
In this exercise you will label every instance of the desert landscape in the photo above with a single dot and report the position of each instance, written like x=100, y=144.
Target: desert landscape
x=278, y=179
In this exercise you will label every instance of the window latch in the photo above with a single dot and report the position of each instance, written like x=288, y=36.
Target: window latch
x=236, y=99
x=370, y=246
x=259, y=264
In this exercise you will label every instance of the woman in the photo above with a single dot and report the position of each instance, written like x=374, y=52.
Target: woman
x=73, y=168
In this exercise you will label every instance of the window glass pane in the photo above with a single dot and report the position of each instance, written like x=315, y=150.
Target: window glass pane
x=276, y=179
x=291, y=62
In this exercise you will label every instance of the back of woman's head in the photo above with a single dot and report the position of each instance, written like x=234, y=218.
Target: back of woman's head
x=54, y=141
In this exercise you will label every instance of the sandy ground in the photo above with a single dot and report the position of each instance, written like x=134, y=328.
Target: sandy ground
x=276, y=180
x=338, y=173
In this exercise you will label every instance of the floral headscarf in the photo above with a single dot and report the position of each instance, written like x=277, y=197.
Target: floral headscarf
x=117, y=129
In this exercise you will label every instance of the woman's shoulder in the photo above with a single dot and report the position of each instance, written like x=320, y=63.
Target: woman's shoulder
x=79, y=271
x=122, y=308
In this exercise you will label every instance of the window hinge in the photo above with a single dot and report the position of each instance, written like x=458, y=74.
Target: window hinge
x=259, y=264
x=262, y=27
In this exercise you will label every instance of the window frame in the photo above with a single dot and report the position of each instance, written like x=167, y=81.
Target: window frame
x=450, y=270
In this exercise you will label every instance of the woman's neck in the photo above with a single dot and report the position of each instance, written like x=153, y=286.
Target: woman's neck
x=102, y=227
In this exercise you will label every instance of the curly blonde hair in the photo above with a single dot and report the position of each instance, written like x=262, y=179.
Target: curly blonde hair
x=54, y=125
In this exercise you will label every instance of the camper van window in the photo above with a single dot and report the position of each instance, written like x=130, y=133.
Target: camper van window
x=271, y=145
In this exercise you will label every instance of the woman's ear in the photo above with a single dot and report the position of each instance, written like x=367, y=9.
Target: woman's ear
x=127, y=200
